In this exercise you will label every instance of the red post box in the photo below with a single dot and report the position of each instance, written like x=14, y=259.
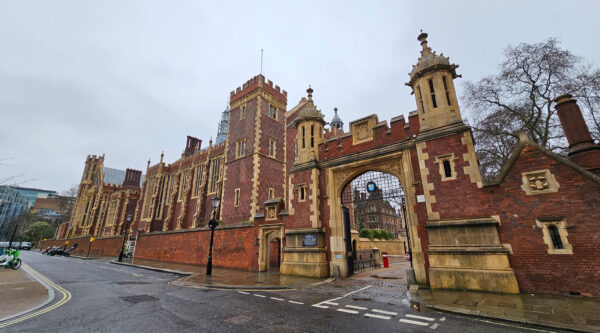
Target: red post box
x=386, y=263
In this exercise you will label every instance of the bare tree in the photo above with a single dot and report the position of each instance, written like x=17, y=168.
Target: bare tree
x=521, y=97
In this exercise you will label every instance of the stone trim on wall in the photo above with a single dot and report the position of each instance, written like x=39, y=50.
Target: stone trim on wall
x=561, y=225
x=539, y=182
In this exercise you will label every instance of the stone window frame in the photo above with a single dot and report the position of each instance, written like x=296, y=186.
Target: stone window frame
x=301, y=188
x=236, y=200
x=185, y=184
x=273, y=111
x=551, y=183
x=271, y=193
x=562, y=226
x=111, y=214
x=242, y=144
x=272, y=147
x=198, y=180
x=439, y=160
x=243, y=112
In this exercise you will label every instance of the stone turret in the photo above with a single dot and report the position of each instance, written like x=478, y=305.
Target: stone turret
x=336, y=121
x=432, y=82
x=310, y=124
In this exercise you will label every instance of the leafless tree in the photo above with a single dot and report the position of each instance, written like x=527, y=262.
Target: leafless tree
x=521, y=97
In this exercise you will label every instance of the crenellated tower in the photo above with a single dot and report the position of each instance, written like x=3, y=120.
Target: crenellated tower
x=432, y=82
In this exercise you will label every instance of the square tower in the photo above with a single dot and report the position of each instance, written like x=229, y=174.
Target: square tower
x=255, y=150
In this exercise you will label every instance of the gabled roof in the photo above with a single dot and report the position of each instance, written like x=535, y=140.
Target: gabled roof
x=524, y=141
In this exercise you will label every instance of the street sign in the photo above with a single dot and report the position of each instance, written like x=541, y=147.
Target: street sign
x=92, y=239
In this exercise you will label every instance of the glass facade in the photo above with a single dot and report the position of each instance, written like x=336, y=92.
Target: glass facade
x=12, y=204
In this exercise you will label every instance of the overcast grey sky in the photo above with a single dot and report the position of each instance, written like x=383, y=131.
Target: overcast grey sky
x=133, y=78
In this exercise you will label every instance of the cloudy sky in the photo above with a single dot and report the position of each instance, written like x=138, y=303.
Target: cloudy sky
x=132, y=78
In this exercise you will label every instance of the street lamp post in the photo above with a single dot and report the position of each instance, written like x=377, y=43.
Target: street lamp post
x=128, y=218
x=212, y=224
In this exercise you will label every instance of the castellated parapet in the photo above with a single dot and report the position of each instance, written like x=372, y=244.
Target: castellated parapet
x=258, y=81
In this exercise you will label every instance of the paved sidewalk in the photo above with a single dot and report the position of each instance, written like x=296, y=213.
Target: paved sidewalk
x=19, y=292
x=224, y=278
x=563, y=312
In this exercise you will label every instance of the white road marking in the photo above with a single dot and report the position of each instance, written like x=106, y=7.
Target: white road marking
x=243, y=292
x=320, y=306
x=414, y=322
x=348, y=311
x=376, y=316
x=356, y=307
x=259, y=295
x=443, y=318
x=277, y=299
x=294, y=302
x=330, y=303
x=434, y=326
x=385, y=312
x=350, y=293
x=420, y=317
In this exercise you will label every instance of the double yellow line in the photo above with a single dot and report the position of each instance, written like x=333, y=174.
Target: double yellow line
x=66, y=296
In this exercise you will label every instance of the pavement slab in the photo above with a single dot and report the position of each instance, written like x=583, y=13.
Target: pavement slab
x=19, y=292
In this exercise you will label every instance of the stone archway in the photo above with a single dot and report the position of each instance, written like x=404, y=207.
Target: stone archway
x=267, y=234
x=397, y=164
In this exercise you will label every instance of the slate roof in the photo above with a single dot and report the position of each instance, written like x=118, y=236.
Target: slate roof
x=113, y=176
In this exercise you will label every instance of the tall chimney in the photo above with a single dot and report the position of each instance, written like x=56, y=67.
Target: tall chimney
x=582, y=149
x=132, y=177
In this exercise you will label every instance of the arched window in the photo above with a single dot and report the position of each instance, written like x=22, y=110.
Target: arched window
x=555, y=237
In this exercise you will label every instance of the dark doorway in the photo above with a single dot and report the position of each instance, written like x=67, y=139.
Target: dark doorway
x=274, y=254
x=348, y=237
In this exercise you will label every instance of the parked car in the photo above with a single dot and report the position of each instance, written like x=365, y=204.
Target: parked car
x=25, y=245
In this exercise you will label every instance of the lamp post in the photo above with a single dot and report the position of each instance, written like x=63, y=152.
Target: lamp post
x=128, y=218
x=212, y=224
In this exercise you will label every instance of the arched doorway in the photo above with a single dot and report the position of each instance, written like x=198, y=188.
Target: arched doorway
x=270, y=244
x=373, y=208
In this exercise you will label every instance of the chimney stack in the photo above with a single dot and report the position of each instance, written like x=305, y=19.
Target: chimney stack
x=582, y=149
x=193, y=145
x=132, y=177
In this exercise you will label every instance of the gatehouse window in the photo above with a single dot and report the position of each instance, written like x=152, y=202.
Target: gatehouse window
x=273, y=112
x=240, y=148
x=243, y=112
x=420, y=98
x=446, y=166
x=271, y=193
x=555, y=235
x=236, y=202
x=272, y=145
x=312, y=136
x=301, y=193
x=432, y=92
x=303, y=137
x=446, y=89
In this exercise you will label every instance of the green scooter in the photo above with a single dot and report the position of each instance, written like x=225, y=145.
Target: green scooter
x=10, y=258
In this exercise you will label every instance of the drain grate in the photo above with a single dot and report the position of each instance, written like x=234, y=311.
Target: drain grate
x=122, y=283
x=139, y=298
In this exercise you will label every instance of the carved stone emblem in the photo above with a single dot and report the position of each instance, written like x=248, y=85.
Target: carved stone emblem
x=362, y=131
x=539, y=182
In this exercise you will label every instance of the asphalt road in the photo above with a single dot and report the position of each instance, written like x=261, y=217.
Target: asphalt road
x=113, y=298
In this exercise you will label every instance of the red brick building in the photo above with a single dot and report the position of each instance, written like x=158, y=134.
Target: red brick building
x=281, y=174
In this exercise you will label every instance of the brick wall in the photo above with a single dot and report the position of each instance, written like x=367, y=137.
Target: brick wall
x=101, y=247
x=234, y=247
x=577, y=200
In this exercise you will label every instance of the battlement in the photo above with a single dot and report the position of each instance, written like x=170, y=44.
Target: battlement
x=94, y=158
x=254, y=83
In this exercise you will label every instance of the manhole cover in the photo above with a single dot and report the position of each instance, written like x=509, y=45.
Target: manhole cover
x=131, y=282
x=139, y=298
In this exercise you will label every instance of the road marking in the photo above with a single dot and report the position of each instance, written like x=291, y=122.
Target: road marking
x=259, y=295
x=277, y=299
x=294, y=302
x=65, y=293
x=356, y=307
x=320, y=306
x=376, y=316
x=434, y=326
x=330, y=303
x=420, y=317
x=443, y=318
x=243, y=292
x=385, y=312
x=348, y=311
x=414, y=322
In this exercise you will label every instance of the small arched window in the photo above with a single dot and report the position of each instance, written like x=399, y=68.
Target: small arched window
x=555, y=237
